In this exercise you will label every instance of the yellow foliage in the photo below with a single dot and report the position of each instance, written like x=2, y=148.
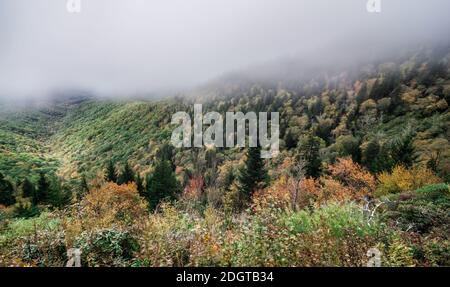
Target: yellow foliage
x=398, y=255
x=107, y=206
x=402, y=179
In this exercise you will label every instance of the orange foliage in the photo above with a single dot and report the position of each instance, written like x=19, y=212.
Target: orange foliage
x=194, y=188
x=310, y=186
x=277, y=196
x=336, y=191
x=288, y=193
x=347, y=180
x=352, y=175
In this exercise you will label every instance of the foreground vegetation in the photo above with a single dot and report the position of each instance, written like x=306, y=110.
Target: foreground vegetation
x=328, y=223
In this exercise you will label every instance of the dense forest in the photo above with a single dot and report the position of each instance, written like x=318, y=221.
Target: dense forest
x=364, y=163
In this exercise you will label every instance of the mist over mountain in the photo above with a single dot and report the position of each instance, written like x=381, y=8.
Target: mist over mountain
x=123, y=49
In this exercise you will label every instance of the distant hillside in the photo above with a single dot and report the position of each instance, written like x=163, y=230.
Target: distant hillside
x=351, y=111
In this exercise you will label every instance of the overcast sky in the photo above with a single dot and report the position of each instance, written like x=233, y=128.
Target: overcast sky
x=135, y=46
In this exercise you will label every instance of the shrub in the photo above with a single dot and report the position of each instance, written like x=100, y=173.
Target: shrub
x=353, y=176
x=333, y=235
x=33, y=242
x=420, y=212
x=438, y=194
x=398, y=254
x=347, y=180
x=107, y=247
x=437, y=252
x=109, y=206
x=166, y=238
x=402, y=180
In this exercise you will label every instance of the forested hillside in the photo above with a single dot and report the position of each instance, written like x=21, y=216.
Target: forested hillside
x=364, y=162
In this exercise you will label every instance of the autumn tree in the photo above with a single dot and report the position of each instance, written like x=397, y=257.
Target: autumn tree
x=109, y=205
x=353, y=176
x=403, y=179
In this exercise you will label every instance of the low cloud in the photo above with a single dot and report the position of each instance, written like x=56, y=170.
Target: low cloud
x=116, y=47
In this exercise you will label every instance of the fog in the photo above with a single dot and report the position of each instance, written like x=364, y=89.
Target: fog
x=129, y=47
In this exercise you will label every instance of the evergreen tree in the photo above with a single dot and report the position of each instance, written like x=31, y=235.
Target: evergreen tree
x=140, y=186
x=290, y=140
x=253, y=176
x=23, y=210
x=42, y=194
x=362, y=94
x=59, y=195
x=402, y=149
x=211, y=158
x=6, y=191
x=110, y=174
x=371, y=154
x=127, y=175
x=84, y=187
x=309, y=151
x=162, y=184
x=166, y=153
x=28, y=188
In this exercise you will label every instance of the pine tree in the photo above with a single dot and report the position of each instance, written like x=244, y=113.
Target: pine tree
x=140, y=186
x=84, y=187
x=309, y=151
x=162, y=184
x=362, y=94
x=253, y=176
x=58, y=195
x=290, y=140
x=6, y=191
x=28, y=188
x=166, y=153
x=42, y=194
x=402, y=149
x=127, y=175
x=110, y=174
x=370, y=155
